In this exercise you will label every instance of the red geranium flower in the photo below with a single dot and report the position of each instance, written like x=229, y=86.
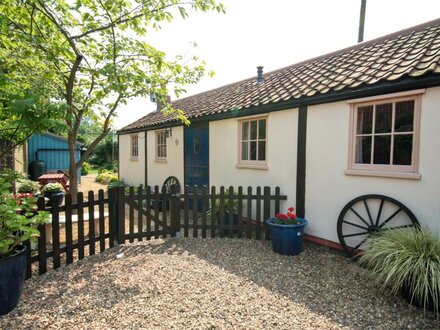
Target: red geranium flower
x=288, y=218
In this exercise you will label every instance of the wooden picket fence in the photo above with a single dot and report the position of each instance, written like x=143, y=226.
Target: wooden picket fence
x=129, y=214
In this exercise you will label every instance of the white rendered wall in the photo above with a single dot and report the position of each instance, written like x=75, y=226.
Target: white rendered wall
x=131, y=171
x=281, y=150
x=159, y=171
x=328, y=189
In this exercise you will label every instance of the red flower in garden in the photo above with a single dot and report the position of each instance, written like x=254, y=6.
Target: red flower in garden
x=288, y=218
x=281, y=216
x=291, y=215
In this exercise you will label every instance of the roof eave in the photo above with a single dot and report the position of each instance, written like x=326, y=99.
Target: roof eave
x=386, y=87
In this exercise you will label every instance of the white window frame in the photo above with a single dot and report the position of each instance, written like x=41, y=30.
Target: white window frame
x=134, y=146
x=381, y=170
x=252, y=164
x=161, y=140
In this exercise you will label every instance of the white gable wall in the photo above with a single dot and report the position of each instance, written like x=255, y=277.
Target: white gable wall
x=131, y=171
x=158, y=171
x=281, y=155
x=328, y=189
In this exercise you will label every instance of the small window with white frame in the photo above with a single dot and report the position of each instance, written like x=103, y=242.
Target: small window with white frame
x=134, y=146
x=384, y=137
x=253, y=143
x=161, y=145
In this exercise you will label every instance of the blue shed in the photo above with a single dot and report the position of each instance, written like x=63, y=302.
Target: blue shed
x=53, y=150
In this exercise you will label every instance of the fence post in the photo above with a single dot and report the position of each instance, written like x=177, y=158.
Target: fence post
x=113, y=215
x=121, y=214
x=266, y=212
x=174, y=210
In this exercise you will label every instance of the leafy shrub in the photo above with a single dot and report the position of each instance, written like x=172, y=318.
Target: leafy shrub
x=28, y=187
x=52, y=188
x=407, y=259
x=85, y=168
x=115, y=184
x=19, y=219
x=215, y=210
x=106, y=176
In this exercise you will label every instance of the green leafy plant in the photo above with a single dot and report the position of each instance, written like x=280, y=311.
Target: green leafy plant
x=106, y=176
x=28, y=186
x=19, y=217
x=52, y=188
x=406, y=259
x=215, y=209
x=85, y=168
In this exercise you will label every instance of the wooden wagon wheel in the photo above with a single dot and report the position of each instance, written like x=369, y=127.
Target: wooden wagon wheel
x=171, y=180
x=369, y=214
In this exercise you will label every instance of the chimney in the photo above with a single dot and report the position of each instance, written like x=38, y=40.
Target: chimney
x=260, y=77
x=160, y=104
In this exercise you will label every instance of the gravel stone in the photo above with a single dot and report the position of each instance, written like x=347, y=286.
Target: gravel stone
x=210, y=284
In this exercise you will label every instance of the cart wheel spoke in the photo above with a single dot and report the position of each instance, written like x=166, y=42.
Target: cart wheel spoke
x=359, y=216
x=368, y=212
x=379, y=213
x=356, y=234
x=354, y=225
x=390, y=218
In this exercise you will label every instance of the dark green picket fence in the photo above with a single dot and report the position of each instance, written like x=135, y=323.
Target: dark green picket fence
x=129, y=214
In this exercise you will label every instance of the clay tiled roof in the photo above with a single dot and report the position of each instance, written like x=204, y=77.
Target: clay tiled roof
x=412, y=53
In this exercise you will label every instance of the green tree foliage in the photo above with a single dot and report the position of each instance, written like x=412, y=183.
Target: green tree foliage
x=92, y=55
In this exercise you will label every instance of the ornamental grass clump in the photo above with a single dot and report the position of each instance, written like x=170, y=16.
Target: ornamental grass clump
x=407, y=260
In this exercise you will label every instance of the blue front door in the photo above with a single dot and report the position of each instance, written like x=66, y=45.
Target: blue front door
x=197, y=155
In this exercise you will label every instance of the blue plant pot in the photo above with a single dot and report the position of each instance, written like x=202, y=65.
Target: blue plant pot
x=12, y=274
x=287, y=239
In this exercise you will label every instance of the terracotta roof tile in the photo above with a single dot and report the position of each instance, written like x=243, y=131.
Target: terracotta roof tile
x=412, y=52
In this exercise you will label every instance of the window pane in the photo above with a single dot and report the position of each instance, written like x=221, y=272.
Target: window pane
x=196, y=145
x=262, y=129
x=383, y=119
x=402, y=149
x=364, y=120
x=262, y=150
x=382, y=149
x=158, y=151
x=254, y=130
x=404, y=116
x=164, y=154
x=244, y=151
x=253, y=151
x=363, y=150
x=245, y=131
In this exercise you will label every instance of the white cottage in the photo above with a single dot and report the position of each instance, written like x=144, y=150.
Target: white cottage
x=362, y=120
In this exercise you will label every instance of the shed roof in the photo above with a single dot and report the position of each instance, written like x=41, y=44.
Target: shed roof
x=410, y=53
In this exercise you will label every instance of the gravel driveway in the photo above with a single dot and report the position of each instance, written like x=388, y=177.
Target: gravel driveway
x=210, y=284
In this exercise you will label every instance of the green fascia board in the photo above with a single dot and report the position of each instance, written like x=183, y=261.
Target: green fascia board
x=428, y=80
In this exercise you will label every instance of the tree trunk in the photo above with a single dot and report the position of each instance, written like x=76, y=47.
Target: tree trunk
x=73, y=185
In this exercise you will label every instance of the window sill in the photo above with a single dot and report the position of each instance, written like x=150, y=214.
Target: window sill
x=134, y=159
x=252, y=166
x=163, y=161
x=383, y=174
